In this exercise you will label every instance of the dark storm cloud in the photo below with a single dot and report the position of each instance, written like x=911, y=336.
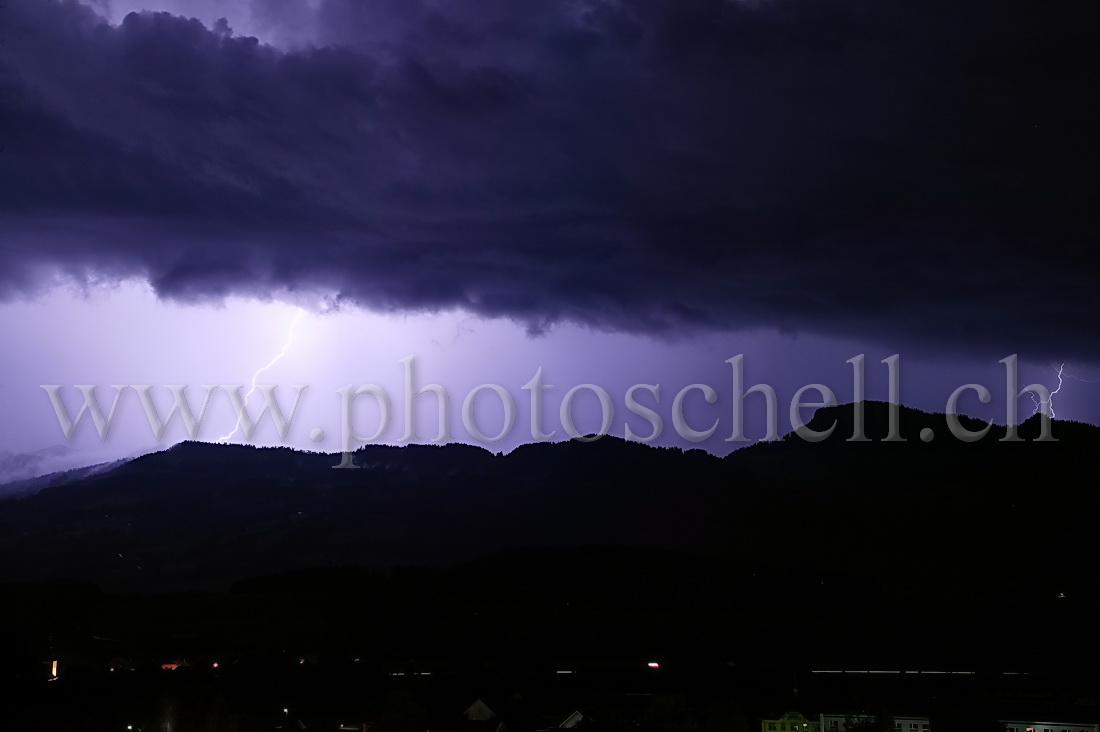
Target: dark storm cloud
x=865, y=167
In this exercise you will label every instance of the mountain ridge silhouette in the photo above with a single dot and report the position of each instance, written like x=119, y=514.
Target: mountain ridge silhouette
x=201, y=515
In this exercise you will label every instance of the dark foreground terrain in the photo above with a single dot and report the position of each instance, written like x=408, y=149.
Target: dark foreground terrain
x=399, y=593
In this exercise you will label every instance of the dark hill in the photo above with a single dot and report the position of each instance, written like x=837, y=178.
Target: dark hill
x=925, y=519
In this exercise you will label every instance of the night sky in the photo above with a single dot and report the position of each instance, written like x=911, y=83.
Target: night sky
x=616, y=191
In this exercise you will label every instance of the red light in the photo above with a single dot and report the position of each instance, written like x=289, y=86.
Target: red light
x=653, y=664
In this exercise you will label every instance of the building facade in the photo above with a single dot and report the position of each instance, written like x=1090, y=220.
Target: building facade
x=835, y=723
x=790, y=722
x=1049, y=727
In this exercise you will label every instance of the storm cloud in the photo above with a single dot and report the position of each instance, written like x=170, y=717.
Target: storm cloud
x=873, y=168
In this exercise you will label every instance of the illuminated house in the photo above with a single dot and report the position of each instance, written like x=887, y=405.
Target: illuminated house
x=835, y=723
x=790, y=722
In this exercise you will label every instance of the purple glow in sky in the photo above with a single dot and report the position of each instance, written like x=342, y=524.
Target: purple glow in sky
x=123, y=335
x=284, y=24
x=618, y=193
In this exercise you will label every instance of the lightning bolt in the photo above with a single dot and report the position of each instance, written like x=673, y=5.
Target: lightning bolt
x=1050, y=402
x=1078, y=378
x=298, y=315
